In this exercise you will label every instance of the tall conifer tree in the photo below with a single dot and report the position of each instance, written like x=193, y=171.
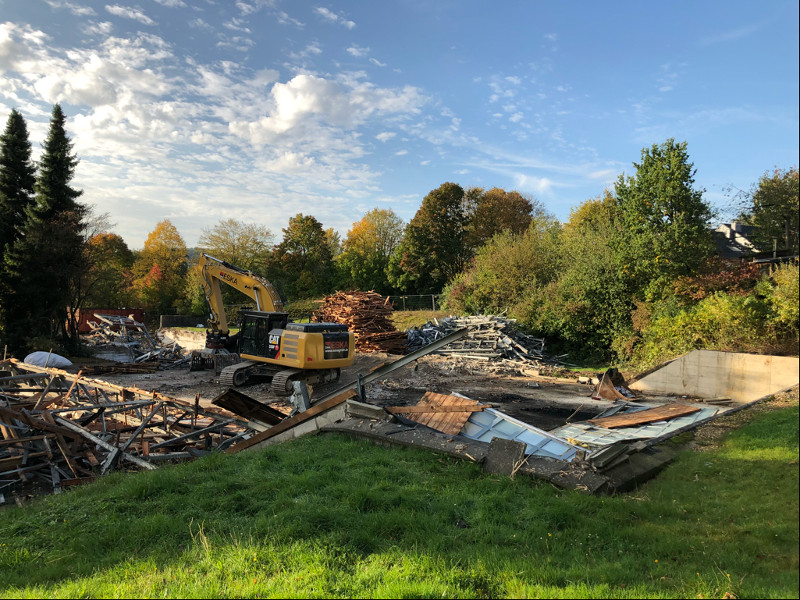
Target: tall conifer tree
x=46, y=258
x=17, y=177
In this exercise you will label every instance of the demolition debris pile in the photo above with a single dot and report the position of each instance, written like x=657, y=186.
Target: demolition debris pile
x=125, y=340
x=491, y=339
x=367, y=315
x=61, y=429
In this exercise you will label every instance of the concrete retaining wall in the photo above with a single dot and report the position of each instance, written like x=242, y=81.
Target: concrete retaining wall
x=188, y=340
x=712, y=374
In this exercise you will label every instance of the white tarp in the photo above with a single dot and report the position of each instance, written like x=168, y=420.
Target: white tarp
x=47, y=359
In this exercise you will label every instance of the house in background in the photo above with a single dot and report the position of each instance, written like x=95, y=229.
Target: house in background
x=732, y=240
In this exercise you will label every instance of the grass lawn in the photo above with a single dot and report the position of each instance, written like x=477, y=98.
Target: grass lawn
x=329, y=516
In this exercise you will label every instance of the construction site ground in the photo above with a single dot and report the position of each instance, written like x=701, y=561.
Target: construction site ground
x=545, y=402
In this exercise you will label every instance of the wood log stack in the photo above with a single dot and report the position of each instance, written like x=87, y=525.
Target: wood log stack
x=367, y=315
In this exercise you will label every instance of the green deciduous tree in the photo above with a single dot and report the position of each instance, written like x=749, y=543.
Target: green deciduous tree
x=774, y=210
x=433, y=249
x=660, y=221
x=245, y=245
x=109, y=276
x=368, y=248
x=17, y=178
x=47, y=258
x=507, y=269
x=584, y=307
x=301, y=265
x=160, y=268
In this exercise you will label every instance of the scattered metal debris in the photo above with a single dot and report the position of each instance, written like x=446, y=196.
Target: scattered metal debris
x=492, y=340
x=125, y=340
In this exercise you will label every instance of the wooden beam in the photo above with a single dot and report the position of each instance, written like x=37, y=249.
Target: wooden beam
x=287, y=424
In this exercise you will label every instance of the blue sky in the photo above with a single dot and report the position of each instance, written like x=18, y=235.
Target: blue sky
x=204, y=110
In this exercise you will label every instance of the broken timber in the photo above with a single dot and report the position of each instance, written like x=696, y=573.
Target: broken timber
x=61, y=429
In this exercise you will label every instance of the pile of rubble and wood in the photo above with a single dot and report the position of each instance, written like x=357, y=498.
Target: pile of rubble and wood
x=125, y=340
x=61, y=429
x=493, y=342
x=367, y=315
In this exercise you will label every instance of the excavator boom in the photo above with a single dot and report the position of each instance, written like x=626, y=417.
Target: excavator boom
x=214, y=270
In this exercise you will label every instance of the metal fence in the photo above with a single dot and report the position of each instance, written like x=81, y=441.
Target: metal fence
x=416, y=302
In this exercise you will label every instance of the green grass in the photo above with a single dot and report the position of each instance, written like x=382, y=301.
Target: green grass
x=405, y=319
x=331, y=516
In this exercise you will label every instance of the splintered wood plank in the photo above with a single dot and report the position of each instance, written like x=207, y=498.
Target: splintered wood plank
x=642, y=417
x=443, y=412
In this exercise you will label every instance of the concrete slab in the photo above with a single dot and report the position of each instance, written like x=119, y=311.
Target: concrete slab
x=712, y=374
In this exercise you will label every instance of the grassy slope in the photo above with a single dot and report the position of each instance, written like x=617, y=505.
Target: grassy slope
x=330, y=516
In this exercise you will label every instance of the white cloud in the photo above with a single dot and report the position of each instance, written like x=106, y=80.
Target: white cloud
x=103, y=28
x=401, y=153
x=199, y=23
x=376, y=62
x=385, y=136
x=357, y=51
x=129, y=13
x=516, y=117
x=172, y=3
x=332, y=17
x=75, y=9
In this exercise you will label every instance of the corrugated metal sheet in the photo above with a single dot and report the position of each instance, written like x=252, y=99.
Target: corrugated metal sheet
x=490, y=423
x=595, y=437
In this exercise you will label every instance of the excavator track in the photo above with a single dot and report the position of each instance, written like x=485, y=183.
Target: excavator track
x=282, y=381
x=236, y=374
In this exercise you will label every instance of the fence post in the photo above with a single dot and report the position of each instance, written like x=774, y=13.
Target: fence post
x=433, y=302
x=404, y=302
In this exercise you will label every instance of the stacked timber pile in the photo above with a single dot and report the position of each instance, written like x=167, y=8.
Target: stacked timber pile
x=125, y=340
x=367, y=315
x=58, y=429
x=491, y=339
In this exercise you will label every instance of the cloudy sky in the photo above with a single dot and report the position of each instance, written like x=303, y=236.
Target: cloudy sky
x=204, y=110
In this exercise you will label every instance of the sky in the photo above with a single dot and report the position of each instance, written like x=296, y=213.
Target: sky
x=199, y=111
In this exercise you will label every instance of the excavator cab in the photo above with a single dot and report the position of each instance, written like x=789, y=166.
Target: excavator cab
x=254, y=337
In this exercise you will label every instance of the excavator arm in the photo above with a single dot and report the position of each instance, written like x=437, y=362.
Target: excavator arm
x=213, y=271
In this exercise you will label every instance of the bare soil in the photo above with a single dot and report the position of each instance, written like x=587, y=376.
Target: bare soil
x=545, y=402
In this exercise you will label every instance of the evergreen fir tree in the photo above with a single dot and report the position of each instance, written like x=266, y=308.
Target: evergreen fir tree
x=46, y=258
x=17, y=177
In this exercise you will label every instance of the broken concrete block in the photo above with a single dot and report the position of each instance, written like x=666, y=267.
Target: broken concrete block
x=367, y=411
x=505, y=456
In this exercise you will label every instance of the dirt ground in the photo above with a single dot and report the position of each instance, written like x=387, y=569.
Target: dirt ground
x=544, y=402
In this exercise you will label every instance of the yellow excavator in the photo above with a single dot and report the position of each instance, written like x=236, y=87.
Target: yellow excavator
x=268, y=344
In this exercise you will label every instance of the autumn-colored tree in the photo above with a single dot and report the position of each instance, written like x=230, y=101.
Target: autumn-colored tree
x=496, y=210
x=368, y=248
x=160, y=268
x=433, y=249
x=301, y=265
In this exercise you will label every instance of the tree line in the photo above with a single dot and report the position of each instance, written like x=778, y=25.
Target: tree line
x=592, y=285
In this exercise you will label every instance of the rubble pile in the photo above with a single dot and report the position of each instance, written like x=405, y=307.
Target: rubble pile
x=125, y=340
x=367, y=315
x=493, y=340
x=61, y=429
